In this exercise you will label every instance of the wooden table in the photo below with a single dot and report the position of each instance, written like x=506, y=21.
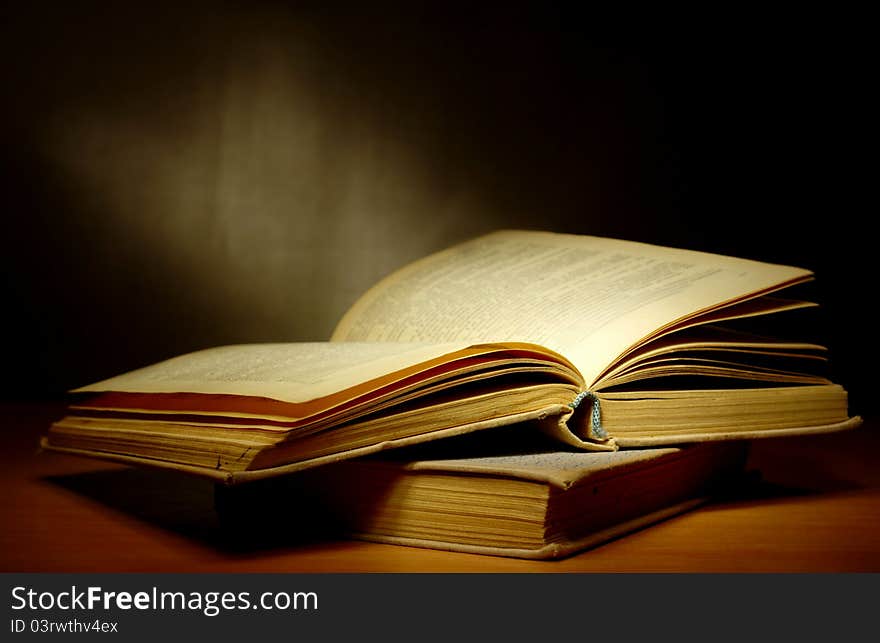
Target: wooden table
x=816, y=508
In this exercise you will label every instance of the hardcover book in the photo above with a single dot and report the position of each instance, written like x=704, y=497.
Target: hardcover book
x=603, y=343
x=537, y=502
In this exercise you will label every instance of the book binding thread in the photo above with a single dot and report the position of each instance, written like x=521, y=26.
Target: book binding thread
x=596, y=429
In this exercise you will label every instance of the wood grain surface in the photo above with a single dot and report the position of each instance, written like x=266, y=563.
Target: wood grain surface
x=812, y=505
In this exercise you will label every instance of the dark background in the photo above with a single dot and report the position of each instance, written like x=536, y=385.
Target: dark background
x=177, y=176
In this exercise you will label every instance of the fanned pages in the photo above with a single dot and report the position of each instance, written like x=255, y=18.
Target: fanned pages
x=602, y=343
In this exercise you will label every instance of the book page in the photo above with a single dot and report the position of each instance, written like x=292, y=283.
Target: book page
x=295, y=372
x=588, y=298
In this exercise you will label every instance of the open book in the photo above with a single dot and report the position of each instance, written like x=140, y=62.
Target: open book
x=603, y=343
x=529, y=501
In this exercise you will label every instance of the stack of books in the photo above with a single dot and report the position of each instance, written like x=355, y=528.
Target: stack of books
x=524, y=393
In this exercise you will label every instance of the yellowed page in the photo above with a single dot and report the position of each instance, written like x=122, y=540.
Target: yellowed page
x=295, y=372
x=588, y=298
